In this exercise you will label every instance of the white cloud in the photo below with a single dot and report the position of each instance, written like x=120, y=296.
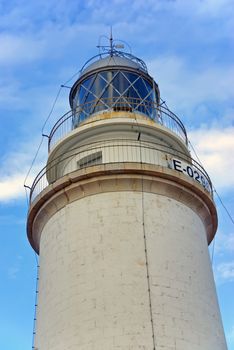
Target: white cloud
x=224, y=272
x=182, y=8
x=193, y=8
x=215, y=147
x=224, y=243
x=42, y=25
x=19, y=49
x=15, y=166
x=184, y=87
x=13, y=272
x=230, y=335
x=10, y=94
x=11, y=187
x=215, y=8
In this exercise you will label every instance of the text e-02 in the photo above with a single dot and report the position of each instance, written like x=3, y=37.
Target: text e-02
x=177, y=165
x=190, y=171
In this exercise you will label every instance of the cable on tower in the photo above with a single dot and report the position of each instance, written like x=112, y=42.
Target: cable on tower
x=214, y=189
x=223, y=205
x=213, y=248
x=220, y=200
x=36, y=302
x=43, y=128
x=145, y=240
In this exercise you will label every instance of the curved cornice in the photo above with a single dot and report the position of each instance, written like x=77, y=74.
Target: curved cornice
x=120, y=177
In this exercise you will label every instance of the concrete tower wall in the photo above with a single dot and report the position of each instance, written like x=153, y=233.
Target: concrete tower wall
x=95, y=255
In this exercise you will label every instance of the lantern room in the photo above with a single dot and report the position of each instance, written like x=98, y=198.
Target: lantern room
x=115, y=81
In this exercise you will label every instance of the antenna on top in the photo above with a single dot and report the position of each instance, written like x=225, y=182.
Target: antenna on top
x=112, y=47
x=111, y=42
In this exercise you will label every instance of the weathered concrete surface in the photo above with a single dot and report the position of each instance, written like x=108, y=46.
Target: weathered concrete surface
x=93, y=290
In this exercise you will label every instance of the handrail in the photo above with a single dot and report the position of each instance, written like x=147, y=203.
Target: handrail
x=123, y=151
x=72, y=119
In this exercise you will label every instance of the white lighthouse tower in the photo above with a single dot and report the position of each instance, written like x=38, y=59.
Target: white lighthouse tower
x=121, y=217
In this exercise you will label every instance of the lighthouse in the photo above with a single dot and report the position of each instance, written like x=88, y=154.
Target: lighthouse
x=121, y=217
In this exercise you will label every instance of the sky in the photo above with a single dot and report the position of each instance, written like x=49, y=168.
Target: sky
x=188, y=47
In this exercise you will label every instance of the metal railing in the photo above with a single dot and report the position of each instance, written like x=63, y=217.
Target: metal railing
x=118, y=151
x=149, y=109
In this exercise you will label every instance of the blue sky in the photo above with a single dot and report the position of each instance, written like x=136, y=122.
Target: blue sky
x=188, y=48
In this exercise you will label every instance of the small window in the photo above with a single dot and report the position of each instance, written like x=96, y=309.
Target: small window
x=91, y=159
